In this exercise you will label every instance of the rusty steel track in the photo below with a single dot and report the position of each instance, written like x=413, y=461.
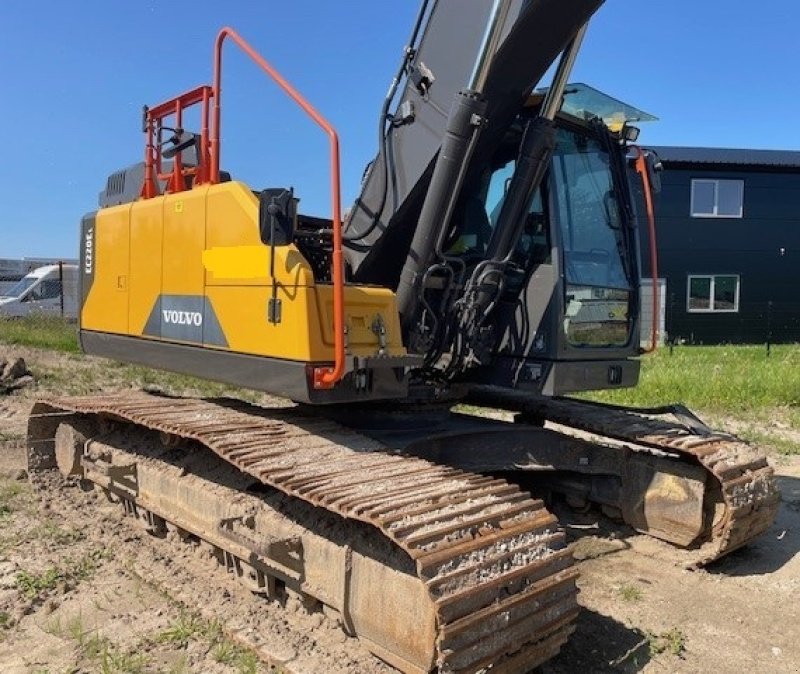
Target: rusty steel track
x=493, y=562
x=738, y=472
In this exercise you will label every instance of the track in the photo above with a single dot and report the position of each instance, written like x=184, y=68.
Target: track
x=490, y=581
x=745, y=488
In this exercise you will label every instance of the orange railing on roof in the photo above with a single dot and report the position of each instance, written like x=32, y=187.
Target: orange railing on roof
x=208, y=171
x=154, y=124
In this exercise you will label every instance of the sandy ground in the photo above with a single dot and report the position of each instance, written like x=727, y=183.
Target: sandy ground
x=97, y=594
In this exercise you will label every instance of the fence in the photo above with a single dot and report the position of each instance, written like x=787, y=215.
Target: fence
x=765, y=322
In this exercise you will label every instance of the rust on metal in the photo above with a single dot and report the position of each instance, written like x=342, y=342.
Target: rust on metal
x=737, y=473
x=491, y=562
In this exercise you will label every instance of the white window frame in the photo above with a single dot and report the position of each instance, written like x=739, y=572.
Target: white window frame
x=716, y=182
x=712, y=309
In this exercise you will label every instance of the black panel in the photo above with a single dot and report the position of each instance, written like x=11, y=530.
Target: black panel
x=285, y=378
x=87, y=259
x=762, y=248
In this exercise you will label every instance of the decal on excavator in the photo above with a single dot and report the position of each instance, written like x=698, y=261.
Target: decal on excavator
x=86, y=278
x=185, y=318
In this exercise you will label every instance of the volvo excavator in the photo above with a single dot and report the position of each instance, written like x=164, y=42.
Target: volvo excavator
x=491, y=260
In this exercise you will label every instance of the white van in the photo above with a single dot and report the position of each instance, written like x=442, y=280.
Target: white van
x=51, y=290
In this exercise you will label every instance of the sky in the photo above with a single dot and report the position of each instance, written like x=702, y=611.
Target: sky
x=720, y=73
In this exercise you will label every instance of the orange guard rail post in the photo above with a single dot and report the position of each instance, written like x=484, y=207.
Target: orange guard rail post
x=323, y=377
x=641, y=169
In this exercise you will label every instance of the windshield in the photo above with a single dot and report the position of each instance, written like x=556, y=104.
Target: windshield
x=20, y=287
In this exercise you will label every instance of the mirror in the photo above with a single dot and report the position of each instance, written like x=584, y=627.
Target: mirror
x=277, y=214
x=654, y=169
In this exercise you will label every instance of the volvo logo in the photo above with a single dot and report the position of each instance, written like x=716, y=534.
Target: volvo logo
x=182, y=317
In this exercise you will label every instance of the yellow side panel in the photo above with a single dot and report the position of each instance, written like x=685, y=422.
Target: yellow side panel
x=106, y=307
x=235, y=254
x=363, y=307
x=242, y=314
x=206, y=242
x=184, y=241
x=146, y=258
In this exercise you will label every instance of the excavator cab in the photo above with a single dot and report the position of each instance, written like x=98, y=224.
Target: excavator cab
x=564, y=313
x=568, y=316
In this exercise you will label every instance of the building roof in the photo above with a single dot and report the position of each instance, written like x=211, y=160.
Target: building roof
x=728, y=156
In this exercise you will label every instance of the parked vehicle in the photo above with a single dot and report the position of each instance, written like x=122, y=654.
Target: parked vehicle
x=50, y=290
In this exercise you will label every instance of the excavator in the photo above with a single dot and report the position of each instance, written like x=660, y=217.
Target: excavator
x=489, y=263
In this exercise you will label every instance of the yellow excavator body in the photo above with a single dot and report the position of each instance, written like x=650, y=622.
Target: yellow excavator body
x=191, y=268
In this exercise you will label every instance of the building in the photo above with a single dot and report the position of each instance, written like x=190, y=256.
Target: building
x=729, y=245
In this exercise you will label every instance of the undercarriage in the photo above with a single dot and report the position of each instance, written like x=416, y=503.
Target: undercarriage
x=428, y=504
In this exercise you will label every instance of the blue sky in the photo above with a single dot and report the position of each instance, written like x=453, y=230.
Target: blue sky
x=75, y=75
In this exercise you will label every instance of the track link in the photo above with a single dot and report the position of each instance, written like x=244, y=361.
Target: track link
x=499, y=580
x=742, y=476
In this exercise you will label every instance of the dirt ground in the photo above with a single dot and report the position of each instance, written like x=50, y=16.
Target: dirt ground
x=97, y=594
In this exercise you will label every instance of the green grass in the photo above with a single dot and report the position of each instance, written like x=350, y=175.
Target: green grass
x=35, y=585
x=630, y=593
x=672, y=641
x=183, y=629
x=31, y=585
x=45, y=332
x=14, y=496
x=716, y=379
x=740, y=382
x=191, y=627
x=771, y=441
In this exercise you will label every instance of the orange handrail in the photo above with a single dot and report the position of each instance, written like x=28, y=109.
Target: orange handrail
x=153, y=120
x=641, y=169
x=324, y=377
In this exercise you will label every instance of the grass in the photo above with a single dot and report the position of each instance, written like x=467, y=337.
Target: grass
x=775, y=442
x=187, y=627
x=11, y=497
x=96, y=376
x=11, y=490
x=742, y=382
x=46, y=332
x=183, y=629
x=719, y=379
x=59, y=335
x=672, y=641
x=96, y=649
x=34, y=585
x=112, y=661
x=630, y=593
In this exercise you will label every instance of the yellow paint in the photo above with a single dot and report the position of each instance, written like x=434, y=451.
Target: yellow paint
x=144, y=282
x=232, y=222
x=206, y=241
x=184, y=240
x=236, y=262
x=106, y=308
